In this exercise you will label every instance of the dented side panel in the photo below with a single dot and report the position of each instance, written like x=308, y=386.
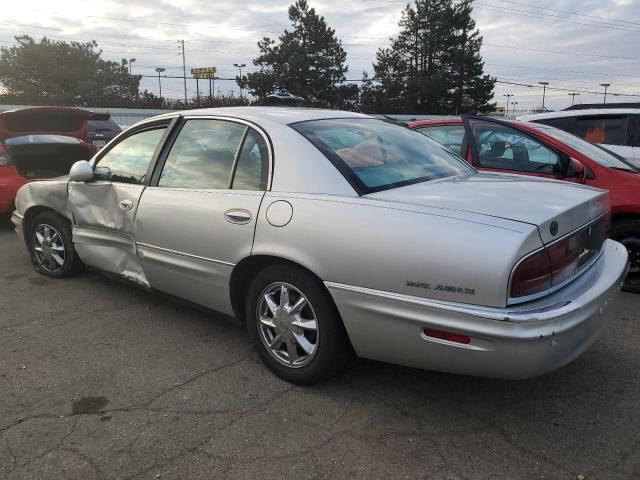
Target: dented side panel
x=104, y=214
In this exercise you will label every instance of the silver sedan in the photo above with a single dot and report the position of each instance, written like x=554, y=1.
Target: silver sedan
x=331, y=233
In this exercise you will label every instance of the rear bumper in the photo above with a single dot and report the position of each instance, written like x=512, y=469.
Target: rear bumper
x=515, y=342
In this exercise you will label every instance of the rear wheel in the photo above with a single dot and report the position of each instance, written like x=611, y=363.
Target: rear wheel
x=627, y=232
x=295, y=326
x=51, y=247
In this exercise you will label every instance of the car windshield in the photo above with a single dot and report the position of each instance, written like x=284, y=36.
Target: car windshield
x=376, y=155
x=600, y=155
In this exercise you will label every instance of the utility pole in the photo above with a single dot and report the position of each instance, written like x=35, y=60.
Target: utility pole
x=160, y=70
x=573, y=97
x=544, y=91
x=508, y=95
x=605, y=85
x=184, y=71
x=240, y=66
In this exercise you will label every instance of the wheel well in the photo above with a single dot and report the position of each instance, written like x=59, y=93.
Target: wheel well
x=31, y=214
x=245, y=271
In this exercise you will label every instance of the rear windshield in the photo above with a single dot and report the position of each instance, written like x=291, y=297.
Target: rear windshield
x=594, y=152
x=375, y=155
x=103, y=126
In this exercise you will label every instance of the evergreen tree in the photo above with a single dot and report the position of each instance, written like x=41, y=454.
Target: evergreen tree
x=308, y=61
x=61, y=73
x=433, y=66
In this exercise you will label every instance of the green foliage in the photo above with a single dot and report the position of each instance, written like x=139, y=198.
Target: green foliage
x=307, y=61
x=433, y=66
x=61, y=73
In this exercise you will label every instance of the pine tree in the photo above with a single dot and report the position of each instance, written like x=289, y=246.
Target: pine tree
x=433, y=66
x=308, y=61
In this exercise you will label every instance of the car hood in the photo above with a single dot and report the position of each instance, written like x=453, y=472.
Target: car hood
x=518, y=198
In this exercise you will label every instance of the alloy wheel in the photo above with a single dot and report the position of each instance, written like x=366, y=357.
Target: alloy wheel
x=287, y=325
x=49, y=248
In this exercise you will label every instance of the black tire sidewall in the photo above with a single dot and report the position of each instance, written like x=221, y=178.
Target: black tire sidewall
x=620, y=230
x=333, y=346
x=71, y=264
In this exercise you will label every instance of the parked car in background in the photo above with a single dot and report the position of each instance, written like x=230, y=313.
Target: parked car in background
x=40, y=142
x=327, y=232
x=101, y=129
x=539, y=150
x=616, y=129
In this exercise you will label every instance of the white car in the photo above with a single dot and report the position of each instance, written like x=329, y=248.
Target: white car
x=616, y=129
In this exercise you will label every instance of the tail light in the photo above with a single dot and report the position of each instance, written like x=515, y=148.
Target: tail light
x=558, y=262
x=532, y=276
x=4, y=157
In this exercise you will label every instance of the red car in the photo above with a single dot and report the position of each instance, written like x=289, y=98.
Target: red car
x=544, y=151
x=41, y=142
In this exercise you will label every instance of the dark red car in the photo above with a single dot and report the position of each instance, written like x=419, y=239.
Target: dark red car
x=41, y=142
x=544, y=151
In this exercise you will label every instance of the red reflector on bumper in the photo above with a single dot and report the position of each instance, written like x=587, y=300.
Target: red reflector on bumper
x=448, y=336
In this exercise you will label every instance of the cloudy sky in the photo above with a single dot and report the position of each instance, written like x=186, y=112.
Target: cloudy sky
x=575, y=45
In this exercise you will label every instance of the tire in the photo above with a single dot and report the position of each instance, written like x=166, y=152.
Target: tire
x=51, y=246
x=627, y=232
x=289, y=325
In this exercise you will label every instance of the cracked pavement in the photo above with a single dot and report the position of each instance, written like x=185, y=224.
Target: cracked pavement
x=101, y=380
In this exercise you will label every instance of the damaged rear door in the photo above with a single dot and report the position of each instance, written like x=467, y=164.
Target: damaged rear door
x=104, y=209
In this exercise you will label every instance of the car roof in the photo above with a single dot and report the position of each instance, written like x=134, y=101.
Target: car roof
x=580, y=113
x=280, y=115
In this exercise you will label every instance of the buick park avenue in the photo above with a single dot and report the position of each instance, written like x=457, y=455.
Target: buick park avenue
x=330, y=234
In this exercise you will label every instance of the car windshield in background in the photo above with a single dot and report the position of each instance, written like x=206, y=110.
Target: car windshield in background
x=375, y=155
x=601, y=155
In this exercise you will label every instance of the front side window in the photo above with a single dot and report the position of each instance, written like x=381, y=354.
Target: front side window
x=202, y=155
x=128, y=161
x=606, y=130
x=504, y=148
x=375, y=155
x=451, y=136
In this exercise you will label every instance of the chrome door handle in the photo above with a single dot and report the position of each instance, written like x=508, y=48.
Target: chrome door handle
x=237, y=215
x=126, y=204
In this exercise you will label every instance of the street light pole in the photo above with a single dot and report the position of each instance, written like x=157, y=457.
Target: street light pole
x=131, y=60
x=240, y=66
x=573, y=97
x=605, y=85
x=515, y=104
x=508, y=95
x=160, y=70
x=184, y=71
x=544, y=92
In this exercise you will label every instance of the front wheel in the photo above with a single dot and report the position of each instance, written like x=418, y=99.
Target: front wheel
x=627, y=232
x=51, y=246
x=295, y=326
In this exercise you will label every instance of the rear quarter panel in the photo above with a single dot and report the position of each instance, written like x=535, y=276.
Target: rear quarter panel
x=362, y=242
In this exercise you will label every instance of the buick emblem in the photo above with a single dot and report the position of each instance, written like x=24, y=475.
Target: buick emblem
x=554, y=228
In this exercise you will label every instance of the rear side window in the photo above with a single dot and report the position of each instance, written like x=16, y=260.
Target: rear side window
x=605, y=130
x=252, y=167
x=129, y=159
x=636, y=142
x=203, y=154
x=451, y=136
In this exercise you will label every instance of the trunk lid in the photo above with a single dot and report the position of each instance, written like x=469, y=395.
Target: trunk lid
x=68, y=121
x=556, y=208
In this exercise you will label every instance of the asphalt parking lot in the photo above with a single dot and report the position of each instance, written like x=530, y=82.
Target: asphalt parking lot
x=102, y=380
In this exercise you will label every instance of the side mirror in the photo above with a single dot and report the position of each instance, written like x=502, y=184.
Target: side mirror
x=577, y=169
x=81, y=171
